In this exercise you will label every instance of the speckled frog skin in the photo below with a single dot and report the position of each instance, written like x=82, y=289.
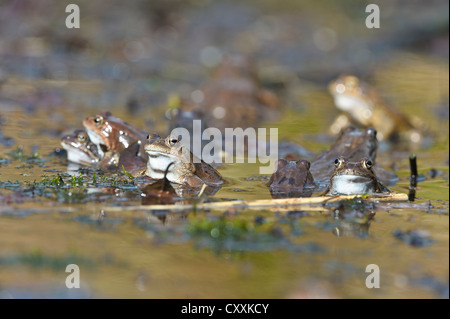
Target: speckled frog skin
x=291, y=179
x=113, y=135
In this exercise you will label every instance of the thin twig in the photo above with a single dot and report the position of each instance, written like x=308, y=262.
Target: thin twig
x=306, y=203
x=413, y=169
x=412, y=177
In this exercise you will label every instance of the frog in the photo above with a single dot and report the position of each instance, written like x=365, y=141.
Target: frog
x=364, y=106
x=354, y=178
x=352, y=143
x=112, y=135
x=131, y=161
x=234, y=97
x=186, y=169
x=80, y=148
x=291, y=179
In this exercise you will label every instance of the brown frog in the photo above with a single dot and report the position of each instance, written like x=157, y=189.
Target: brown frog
x=291, y=179
x=131, y=161
x=113, y=135
x=233, y=96
x=80, y=149
x=363, y=106
x=185, y=168
x=354, y=178
x=354, y=144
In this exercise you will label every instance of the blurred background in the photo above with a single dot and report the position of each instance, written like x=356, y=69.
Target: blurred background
x=133, y=58
x=140, y=51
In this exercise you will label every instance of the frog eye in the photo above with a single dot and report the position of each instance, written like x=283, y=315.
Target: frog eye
x=173, y=141
x=153, y=137
x=82, y=137
x=371, y=132
x=367, y=163
x=338, y=162
x=98, y=120
x=308, y=165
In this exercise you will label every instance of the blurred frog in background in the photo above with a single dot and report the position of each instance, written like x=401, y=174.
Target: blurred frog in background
x=362, y=105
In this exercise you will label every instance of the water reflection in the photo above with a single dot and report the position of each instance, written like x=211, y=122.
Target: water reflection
x=352, y=218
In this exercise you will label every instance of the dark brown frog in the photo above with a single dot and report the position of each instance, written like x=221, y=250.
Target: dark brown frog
x=291, y=179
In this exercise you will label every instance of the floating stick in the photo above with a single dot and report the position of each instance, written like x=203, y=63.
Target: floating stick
x=412, y=177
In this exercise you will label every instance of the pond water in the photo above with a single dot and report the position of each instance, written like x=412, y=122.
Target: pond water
x=51, y=79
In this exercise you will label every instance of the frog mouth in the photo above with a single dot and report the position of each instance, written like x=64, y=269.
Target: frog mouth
x=352, y=185
x=352, y=171
x=79, y=156
x=163, y=156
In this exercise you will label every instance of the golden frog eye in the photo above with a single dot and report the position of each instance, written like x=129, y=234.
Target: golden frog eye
x=367, y=163
x=82, y=137
x=338, y=162
x=173, y=140
x=98, y=120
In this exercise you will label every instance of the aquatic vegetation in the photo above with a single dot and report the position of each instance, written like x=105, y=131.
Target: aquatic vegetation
x=4, y=161
x=38, y=259
x=131, y=177
x=77, y=188
x=19, y=155
x=11, y=185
